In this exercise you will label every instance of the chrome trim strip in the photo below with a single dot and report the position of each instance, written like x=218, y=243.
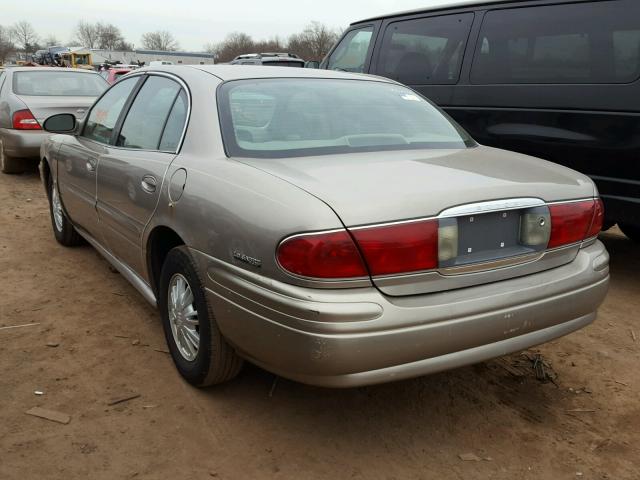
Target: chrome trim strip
x=491, y=265
x=133, y=278
x=388, y=224
x=462, y=210
x=491, y=206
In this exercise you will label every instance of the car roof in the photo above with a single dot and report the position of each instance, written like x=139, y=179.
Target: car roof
x=49, y=69
x=444, y=6
x=241, y=72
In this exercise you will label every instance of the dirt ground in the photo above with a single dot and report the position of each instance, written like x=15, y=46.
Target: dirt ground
x=110, y=344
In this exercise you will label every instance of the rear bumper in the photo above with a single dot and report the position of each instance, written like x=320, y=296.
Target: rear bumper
x=22, y=143
x=346, y=338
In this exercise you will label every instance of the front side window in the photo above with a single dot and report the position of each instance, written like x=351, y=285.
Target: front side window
x=104, y=114
x=351, y=53
x=277, y=118
x=58, y=84
x=148, y=114
x=595, y=42
x=425, y=51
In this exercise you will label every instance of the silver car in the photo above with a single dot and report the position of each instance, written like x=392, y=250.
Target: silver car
x=335, y=229
x=28, y=95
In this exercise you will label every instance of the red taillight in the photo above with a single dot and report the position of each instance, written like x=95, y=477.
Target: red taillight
x=598, y=219
x=399, y=248
x=24, y=120
x=574, y=222
x=322, y=255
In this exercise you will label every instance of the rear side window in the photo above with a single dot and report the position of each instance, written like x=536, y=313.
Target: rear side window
x=175, y=124
x=425, y=51
x=596, y=42
x=104, y=114
x=148, y=114
x=351, y=53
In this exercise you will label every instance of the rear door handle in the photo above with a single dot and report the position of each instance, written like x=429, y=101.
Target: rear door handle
x=149, y=183
x=91, y=166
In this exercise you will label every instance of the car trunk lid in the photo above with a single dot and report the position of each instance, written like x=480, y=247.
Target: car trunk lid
x=42, y=107
x=486, y=191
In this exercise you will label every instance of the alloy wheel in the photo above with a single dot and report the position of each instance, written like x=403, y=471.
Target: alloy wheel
x=183, y=317
x=56, y=207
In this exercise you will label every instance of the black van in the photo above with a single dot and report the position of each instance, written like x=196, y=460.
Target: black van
x=556, y=79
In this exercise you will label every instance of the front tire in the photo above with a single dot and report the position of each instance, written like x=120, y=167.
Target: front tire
x=631, y=231
x=199, y=351
x=64, y=232
x=10, y=165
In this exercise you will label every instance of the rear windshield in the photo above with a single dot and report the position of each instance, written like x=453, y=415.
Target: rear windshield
x=58, y=84
x=277, y=118
x=282, y=63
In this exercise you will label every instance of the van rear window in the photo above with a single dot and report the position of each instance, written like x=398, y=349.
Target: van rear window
x=595, y=42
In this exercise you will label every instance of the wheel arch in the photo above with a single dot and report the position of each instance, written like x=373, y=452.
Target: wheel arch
x=159, y=243
x=45, y=174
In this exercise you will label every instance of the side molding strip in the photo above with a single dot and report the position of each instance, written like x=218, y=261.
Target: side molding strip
x=133, y=278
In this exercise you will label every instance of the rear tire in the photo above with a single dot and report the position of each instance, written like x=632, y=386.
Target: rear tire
x=188, y=320
x=631, y=231
x=63, y=230
x=10, y=165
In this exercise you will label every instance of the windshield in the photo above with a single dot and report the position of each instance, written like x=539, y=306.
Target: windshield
x=276, y=118
x=57, y=83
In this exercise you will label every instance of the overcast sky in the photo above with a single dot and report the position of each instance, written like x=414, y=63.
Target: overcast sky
x=195, y=23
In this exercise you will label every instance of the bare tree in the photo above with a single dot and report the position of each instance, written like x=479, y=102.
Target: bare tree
x=160, y=40
x=109, y=36
x=314, y=42
x=24, y=36
x=235, y=44
x=272, y=45
x=6, y=45
x=51, y=40
x=87, y=34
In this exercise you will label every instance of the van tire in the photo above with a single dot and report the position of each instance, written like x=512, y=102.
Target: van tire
x=631, y=231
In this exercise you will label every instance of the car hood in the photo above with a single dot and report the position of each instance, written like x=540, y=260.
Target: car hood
x=368, y=188
x=43, y=107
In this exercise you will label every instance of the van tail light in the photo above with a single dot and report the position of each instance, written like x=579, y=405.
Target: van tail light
x=575, y=221
x=322, y=255
x=24, y=120
x=399, y=248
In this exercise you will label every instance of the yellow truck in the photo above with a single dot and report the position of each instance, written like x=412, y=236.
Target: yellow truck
x=80, y=58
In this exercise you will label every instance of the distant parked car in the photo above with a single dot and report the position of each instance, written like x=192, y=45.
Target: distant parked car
x=557, y=79
x=335, y=229
x=269, y=60
x=112, y=75
x=28, y=95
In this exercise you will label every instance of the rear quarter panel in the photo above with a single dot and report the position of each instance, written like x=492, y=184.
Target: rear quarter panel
x=228, y=206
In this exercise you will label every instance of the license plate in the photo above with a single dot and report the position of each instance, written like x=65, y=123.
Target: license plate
x=492, y=236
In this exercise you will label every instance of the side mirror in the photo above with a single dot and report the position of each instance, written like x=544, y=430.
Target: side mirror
x=60, y=123
x=312, y=64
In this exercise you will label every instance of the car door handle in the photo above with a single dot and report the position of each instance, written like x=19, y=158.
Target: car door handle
x=91, y=166
x=149, y=183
